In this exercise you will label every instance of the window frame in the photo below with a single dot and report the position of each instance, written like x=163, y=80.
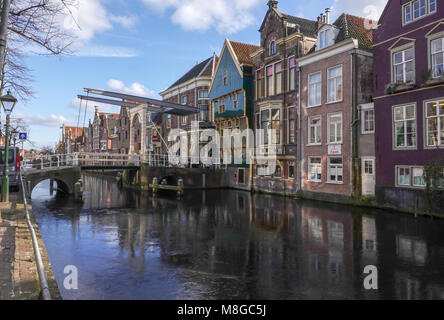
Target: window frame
x=309, y=143
x=402, y=49
x=372, y=161
x=269, y=79
x=259, y=78
x=182, y=99
x=309, y=171
x=334, y=78
x=289, y=125
x=291, y=164
x=291, y=71
x=329, y=164
x=205, y=98
x=272, y=48
x=411, y=183
x=434, y=37
x=426, y=126
x=412, y=11
x=329, y=128
x=363, y=121
x=275, y=78
x=394, y=135
x=320, y=89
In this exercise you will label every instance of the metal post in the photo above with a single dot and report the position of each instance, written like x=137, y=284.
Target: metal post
x=5, y=180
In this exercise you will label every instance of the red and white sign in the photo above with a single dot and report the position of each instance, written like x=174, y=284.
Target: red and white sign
x=155, y=139
x=335, y=150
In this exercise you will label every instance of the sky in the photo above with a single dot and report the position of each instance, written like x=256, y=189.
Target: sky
x=141, y=47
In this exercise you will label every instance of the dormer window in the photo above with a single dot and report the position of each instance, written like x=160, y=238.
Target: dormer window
x=272, y=48
x=323, y=39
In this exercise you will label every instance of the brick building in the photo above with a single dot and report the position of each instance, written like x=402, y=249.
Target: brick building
x=336, y=82
x=283, y=38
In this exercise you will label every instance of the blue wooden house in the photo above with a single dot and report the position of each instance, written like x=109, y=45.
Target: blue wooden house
x=231, y=89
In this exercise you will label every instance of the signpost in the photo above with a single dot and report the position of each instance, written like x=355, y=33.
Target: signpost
x=23, y=136
x=155, y=139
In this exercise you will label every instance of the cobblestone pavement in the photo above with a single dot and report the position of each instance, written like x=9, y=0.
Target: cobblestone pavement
x=7, y=251
x=18, y=270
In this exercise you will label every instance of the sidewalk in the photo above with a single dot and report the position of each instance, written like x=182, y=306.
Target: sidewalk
x=18, y=272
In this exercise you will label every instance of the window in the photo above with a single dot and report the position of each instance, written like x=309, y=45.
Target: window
x=437, y=50
x=368, y=121
x=314, y=130
x=368, y=166
x=405, y=126
x=314, y=169
x=278, y=171
x=235, y=105
x=418, y=177
x=404, y=176
x=221, y=108
x=335, y=128
x=334, y=84
x=323, y=39
x=204, y=112
x=403, y=66
x=314, y=89
x=265, y=123
x=291, y=170
x=335, y=170
x=241, y=176
x=203, y=94
x=184, y=120
x=417, y=9
x=259, y=84
x=291, y=125
x=276, y=124
x=270, y=82
x=278, y=78
x=272, y=48
x=407, y=13
x=441, y=179
x=291, y=74
x=225, y=77
x=184, y=100
x=271, y=119
x=435, y=123
x=169, y=121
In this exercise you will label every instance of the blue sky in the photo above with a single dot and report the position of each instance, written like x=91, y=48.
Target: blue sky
x=143, y=46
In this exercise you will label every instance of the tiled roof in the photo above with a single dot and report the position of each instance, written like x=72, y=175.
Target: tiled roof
x=114, y=115
x=307, y=27
x=354, y=27
x=73, y=131
x=243, y=51
x=192, y=73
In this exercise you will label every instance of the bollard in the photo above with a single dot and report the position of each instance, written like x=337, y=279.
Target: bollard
x=155, y=185
x=78, y=191
x=180, y=188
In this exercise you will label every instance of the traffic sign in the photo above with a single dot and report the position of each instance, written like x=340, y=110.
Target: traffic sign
x=23, y=136
x=155, y=139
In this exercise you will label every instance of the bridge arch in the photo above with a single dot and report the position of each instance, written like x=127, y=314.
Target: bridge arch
x=66, y=178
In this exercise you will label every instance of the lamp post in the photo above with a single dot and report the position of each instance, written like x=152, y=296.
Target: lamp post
x=8, y=102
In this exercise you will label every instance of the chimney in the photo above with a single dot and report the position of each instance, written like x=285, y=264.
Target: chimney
x=273, y=4
x=322, y=18
x=319, y=22
x=327, y=15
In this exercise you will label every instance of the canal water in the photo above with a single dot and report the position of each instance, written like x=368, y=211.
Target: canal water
x=228, y=244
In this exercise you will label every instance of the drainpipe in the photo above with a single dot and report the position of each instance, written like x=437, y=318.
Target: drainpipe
x=353, y=129
x=299, y=131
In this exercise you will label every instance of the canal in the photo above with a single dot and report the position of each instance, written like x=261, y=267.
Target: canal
x=227, y=244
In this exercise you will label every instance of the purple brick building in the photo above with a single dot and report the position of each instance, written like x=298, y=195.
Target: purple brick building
x=409, y=103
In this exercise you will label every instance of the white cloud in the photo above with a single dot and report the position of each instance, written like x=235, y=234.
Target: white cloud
x=89, y=18
x=371, y=9
x=226, y=16
x=134, y=89
x=44, y=121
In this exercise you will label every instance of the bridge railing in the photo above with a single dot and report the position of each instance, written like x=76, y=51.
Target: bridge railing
x=41, y=162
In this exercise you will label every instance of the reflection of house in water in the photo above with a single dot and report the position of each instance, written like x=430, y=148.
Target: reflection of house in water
x=369, y=242
x=407, y=287
x=327, y=238
x=411, y=249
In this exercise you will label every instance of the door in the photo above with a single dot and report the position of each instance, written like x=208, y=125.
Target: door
x=368, y=176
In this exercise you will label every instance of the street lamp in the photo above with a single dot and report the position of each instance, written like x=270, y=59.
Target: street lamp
x=8, y=102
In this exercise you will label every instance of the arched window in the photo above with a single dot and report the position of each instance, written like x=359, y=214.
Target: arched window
x=272, y=48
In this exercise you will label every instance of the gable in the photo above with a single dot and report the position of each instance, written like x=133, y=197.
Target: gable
x=401, y=42
x=437, y=29
x=226, y=66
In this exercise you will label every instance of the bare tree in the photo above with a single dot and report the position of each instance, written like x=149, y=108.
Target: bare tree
x=37, y=26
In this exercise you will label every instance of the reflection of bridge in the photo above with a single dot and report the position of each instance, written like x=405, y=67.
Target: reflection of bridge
x=66, y=169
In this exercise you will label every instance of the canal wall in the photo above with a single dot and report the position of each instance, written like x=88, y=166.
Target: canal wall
x=416, y=202
x=19, y=278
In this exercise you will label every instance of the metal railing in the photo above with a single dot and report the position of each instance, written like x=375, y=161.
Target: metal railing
x=46, y=295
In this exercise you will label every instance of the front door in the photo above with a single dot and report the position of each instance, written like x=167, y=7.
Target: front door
x=368, y=176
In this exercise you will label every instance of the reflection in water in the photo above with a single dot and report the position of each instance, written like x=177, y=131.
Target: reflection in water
x=229, y=244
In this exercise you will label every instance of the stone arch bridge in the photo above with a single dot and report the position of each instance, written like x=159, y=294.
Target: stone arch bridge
x=66, y=178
